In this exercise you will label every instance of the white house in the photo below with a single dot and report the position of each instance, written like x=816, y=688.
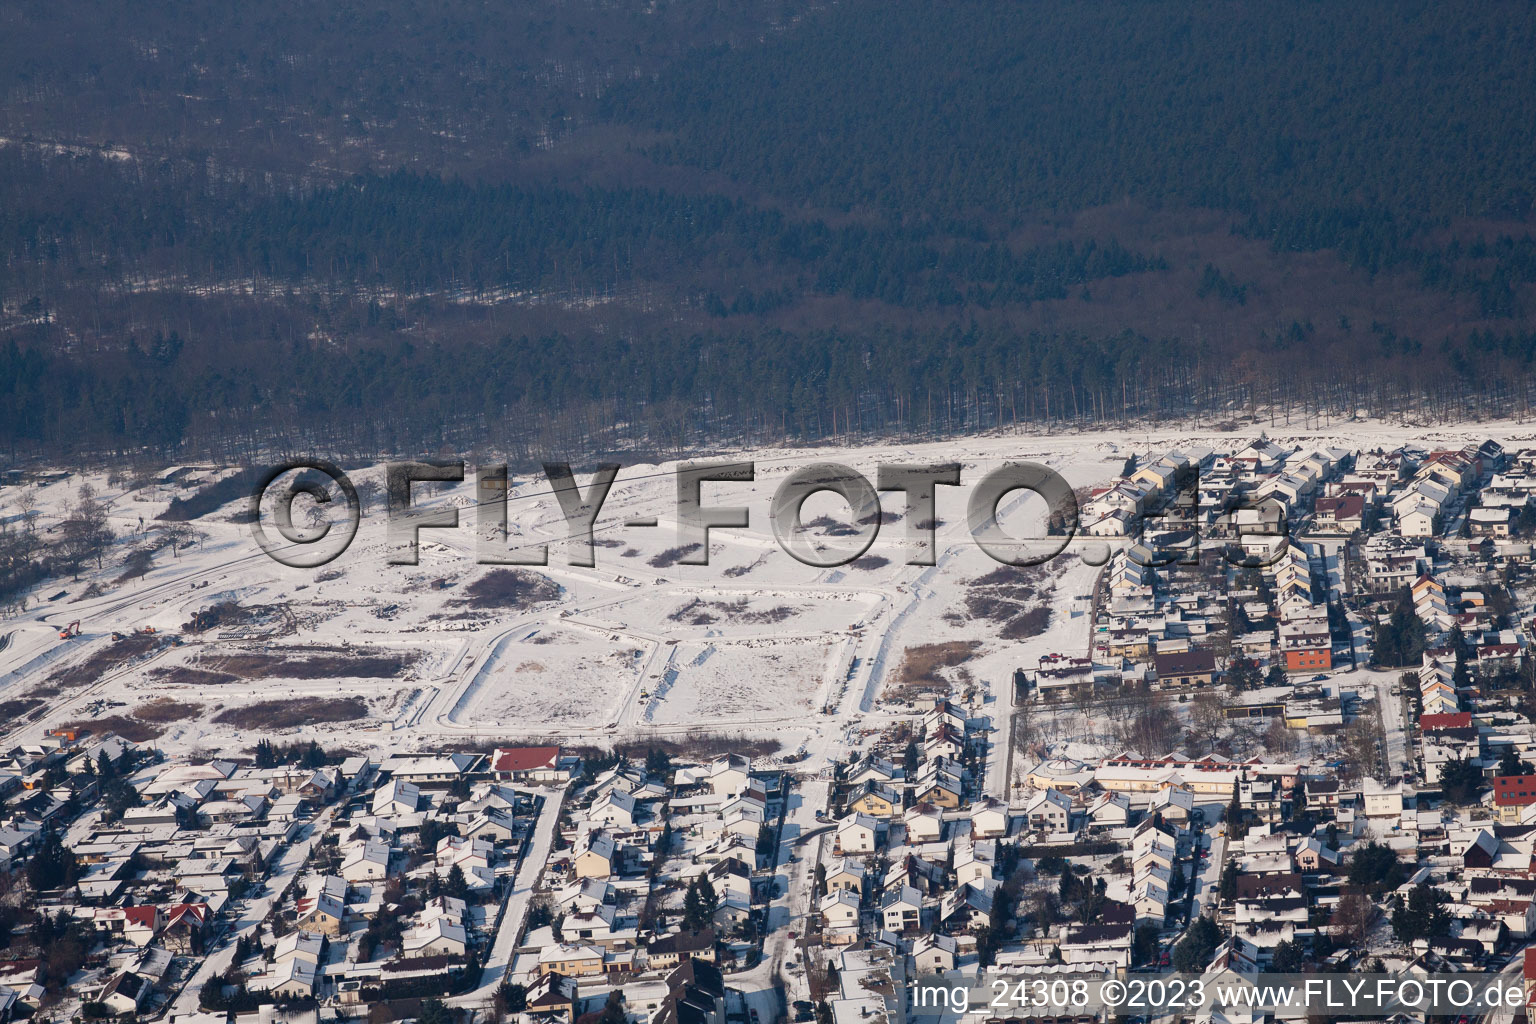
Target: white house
x=856, y=834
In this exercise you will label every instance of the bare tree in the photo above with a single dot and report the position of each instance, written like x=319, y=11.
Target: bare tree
x=1278, y=739
x=87, y=533
x=1208, y=716
x=368, y=491
x=1353, y=917
x=1150, y=729
x=26, y=504
x=177, y=535
x=1360, y=748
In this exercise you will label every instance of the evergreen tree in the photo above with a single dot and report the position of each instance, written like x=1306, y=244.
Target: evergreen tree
x=1375, y=866
x=1193, y=952
x=1289, y=957
x=1228, y=886
x=511, y=998
x=613, y=1009
x=1460, y=781
x=709, y=900
x=1511, y=764
x=1422, y=915
x=694, y=918
x=53, y=866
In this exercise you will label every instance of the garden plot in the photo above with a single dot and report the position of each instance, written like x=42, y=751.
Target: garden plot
x=745, y=682
x=551, y=675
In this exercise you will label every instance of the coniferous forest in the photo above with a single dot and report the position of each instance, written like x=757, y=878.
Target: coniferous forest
x=577, y=225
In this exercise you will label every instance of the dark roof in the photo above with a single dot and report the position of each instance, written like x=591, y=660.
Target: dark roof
x=730, y=866
x=1115, y=912
x=682, y=942
x=1278, y=905
x=1259, y=886
x=1099, y=933
x=1516, y=886
x=1185, y=663
x=695, y=987
x=699, y=973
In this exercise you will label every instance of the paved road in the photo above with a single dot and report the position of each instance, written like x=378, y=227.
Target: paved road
x=518, y=899
x=1209, y=877
x=287, y=868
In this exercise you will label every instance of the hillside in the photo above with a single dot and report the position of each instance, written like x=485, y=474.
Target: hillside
x=610, y=224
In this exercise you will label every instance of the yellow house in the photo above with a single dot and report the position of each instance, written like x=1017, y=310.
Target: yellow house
x=877, y=801
x=848, y=875
x=571, y=961
x=941, y=792
x=321, y=913
x=594, y=857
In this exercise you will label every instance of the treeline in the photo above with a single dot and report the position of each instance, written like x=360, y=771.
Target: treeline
x=581, y=393
x=982, y=111
x=1377, y=240
x=288, y=87
x=647, y=227
x=1367, y=128
x=412, y=233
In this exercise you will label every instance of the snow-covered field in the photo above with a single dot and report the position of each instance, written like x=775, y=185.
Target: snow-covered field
x=746, y=682
x=551, y=674
x=754, y=643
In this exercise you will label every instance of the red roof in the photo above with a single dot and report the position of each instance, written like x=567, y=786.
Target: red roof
x=1530, y=963
x=1344, y=507
x=198, y=912
x=1457, y=720
x=524, y=759
x=1514, y=790
x=142, y=916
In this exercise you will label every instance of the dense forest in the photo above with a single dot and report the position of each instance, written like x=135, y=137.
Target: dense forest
x=613, y=224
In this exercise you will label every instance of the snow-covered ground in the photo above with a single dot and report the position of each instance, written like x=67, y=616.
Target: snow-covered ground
x=754, y=643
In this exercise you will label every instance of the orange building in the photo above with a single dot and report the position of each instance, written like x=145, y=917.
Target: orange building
x=1309, y=659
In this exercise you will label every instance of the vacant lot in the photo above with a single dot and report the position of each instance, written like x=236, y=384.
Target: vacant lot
x=130, y=729
x=515, y=589
x=672, y=556
x=113, y=656
x=165, y=710
x=290, y=714
x=1030, y=623
x=186, y=675
x=701, y=745
x=10, y=710
x=699, y=612
x=310, y=663
x=1012, y=596
x=918, y=674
